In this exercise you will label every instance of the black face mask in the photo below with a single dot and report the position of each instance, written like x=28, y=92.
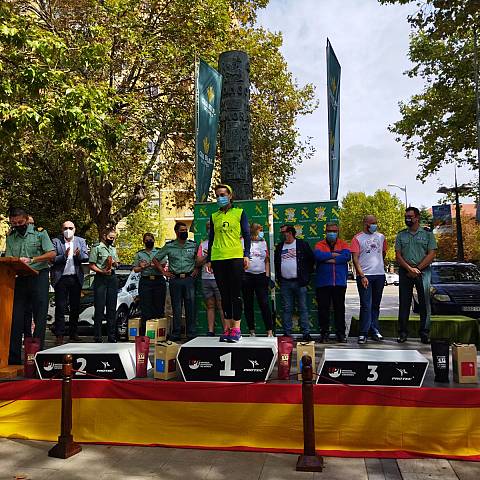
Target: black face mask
x=408, y=221
x=149, y=243
x=21, y=229
x=182, y=235
x=109, y=242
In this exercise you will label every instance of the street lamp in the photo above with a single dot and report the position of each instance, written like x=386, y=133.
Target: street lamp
x=403, y=189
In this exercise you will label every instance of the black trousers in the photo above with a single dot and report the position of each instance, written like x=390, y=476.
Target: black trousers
x=30, y=292
x=152, y=293
x=229, y=277
x=67, y=292
x=256, y=285
x=325, y=297
x=105, y=291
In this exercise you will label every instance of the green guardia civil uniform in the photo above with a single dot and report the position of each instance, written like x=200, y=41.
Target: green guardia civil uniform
x=181, y=263
x=414, y=246
x=31, y=291
x=181, y=258
x=105, y=291
x=152, y=288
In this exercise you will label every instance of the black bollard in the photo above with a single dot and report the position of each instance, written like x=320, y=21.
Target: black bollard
x=309, y=461
x=66, y=447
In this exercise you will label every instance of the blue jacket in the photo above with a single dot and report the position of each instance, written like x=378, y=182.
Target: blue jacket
x=60, y=260
x=331, y=274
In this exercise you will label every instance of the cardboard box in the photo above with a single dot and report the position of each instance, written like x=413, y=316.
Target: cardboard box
x=151, y=330
x=162, y=330
x=133, y=328
x=305, y=348
x=165, y=360
x=464, y=359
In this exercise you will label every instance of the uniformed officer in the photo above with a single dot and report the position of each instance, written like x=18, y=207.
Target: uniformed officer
x=152, y=287
x=415, y=250
x=103, y=261
x=33, y=247
x=28, y=316
x=182, y=270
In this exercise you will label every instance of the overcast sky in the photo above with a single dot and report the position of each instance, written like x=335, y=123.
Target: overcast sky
x=371, y=44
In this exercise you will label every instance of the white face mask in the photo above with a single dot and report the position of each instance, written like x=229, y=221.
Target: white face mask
x=68, y=234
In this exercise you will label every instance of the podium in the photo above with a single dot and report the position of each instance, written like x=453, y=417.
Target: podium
x=104, y=360
x=371, y=366
x=10, y=268
x=205, y=359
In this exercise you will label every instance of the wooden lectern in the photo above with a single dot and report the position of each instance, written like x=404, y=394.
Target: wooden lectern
x=10, y=267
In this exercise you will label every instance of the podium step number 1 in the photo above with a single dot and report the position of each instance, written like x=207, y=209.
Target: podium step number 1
x=10, y=268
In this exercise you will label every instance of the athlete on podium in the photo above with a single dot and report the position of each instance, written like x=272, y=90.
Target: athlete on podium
x=228, y=258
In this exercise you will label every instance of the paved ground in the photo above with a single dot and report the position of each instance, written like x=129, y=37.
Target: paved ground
x=21, y=459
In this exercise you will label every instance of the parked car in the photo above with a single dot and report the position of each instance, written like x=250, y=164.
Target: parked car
x=391, y=279
x=127, y=301
x=455, y=289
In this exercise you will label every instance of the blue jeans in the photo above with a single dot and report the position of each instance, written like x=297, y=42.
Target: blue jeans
x=182, y=291
x=289, y=291
x=370, y=299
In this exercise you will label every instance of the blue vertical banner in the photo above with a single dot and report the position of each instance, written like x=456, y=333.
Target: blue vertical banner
x=208, y=88
x=333, y=98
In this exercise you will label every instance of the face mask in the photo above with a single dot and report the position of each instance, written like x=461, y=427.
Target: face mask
x=372, y=228
x=332, y=236
x=408, y=221
x=21, y=229
x=109, y=242
x=182, y=235
x=149, y=244
x=261, y=235
x=223, y=201
x=68, y=234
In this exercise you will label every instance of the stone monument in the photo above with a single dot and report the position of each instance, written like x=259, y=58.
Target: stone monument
x=235, y=142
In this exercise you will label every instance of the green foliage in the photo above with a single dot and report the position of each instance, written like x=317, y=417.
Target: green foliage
x=84, y=85
x=145, y=219
x=388, y=209
x=438, y=125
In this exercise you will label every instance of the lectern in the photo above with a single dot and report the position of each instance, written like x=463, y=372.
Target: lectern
x=10, y=268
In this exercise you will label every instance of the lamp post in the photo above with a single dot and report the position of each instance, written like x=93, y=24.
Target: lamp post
x=403, y=189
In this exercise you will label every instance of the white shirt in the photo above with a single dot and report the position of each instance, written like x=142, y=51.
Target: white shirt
x=370, y=248
x=258, y=254
x=69, y=266
x=202, y=252
x=289, y=260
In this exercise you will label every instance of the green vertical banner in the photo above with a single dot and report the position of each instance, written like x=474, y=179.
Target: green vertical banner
x=333, y=97
x=208, y=94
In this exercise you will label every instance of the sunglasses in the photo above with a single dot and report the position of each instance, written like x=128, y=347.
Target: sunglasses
x=69, y=228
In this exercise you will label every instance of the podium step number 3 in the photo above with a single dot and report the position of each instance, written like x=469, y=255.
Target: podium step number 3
x=10, y=267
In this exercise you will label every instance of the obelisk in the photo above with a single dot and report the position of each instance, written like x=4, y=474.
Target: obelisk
x=235, y=142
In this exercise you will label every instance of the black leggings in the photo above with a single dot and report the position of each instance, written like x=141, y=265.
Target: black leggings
x=229, y=276
x=256, y=284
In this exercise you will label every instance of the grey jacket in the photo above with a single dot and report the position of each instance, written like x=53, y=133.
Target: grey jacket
x=60, y=260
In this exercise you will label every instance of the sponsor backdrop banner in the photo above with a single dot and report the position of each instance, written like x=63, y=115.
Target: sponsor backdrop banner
x=208, y=89
x=333, y=98
x=309, y=220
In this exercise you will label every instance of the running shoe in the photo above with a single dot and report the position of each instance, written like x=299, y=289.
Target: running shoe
x=235, y=335
x=224, y=337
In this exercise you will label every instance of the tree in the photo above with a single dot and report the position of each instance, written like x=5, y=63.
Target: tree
x=86, y=84
x=447, y=243
x=130, y=239
x=388, y=209
x=438, y=125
